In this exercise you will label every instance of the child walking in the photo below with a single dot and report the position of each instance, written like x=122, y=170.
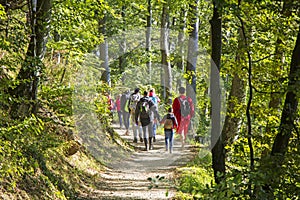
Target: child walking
x=170, y=122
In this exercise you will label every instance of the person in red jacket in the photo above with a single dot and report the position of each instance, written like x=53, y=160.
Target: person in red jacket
x=183, y=109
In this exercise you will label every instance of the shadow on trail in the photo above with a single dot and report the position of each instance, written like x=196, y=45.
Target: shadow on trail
x=131, y=177
x=156, y=159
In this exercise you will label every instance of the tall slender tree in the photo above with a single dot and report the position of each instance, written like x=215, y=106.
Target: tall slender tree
x=287, y=124
x=236, y=96
x=166, y=74
x=276, y=96
x=192, y=48
x=103, y=49
x=180, y=57
x=122, y=44
x=29, y=75
x=148, y=38
x=218, y=152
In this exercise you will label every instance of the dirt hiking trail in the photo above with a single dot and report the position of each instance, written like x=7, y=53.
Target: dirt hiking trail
x=130, y=178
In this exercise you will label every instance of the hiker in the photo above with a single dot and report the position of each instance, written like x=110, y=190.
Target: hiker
x=124, y=108
x=183, y=108
x=111, y=105
x=110, y=102
x=137, y=129
x=156, y=100
x=118, y=108
x=146, y=112
x=170, y=122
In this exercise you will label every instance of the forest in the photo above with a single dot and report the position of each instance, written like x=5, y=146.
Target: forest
x=238, y=59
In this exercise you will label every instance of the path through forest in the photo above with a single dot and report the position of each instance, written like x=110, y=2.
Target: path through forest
x=129, y=179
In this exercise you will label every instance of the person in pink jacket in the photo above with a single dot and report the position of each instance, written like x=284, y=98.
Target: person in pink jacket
x=119, y=111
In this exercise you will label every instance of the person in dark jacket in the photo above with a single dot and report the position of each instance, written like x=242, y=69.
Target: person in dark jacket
x=124, y=109
x=146, y=112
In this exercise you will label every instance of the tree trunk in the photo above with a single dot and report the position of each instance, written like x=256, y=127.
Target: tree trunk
x=236, y=96
x=180, y=56
x=218, y=152
x=276, y=98
x=289, y=111
x=104, y=51
x=122, y=44
x=148, y=39
x=192, y=50
x=166, y=75
x=233, y=118
x=249, y=102
x=29, y=74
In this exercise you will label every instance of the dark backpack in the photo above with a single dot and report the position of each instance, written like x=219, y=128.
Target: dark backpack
x=144, y=108
x=185, y=107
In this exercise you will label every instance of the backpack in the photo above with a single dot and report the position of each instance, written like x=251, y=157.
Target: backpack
x=154, y=99
x=126, y=105
x=144, y=109
x=168, y=123
x=134, y=98
x=124, y=102
x=185, y=107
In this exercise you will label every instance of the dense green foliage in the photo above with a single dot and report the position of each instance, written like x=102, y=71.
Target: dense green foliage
x=71, y=100
x=271, y=31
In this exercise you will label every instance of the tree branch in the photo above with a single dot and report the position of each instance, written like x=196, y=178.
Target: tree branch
x=268, y=56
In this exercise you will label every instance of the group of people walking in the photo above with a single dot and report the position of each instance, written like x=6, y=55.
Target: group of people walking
x=142, y=112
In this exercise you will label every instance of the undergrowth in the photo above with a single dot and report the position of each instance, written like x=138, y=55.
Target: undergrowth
x=35, y=164
x=196, y=181
x=196, y=177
